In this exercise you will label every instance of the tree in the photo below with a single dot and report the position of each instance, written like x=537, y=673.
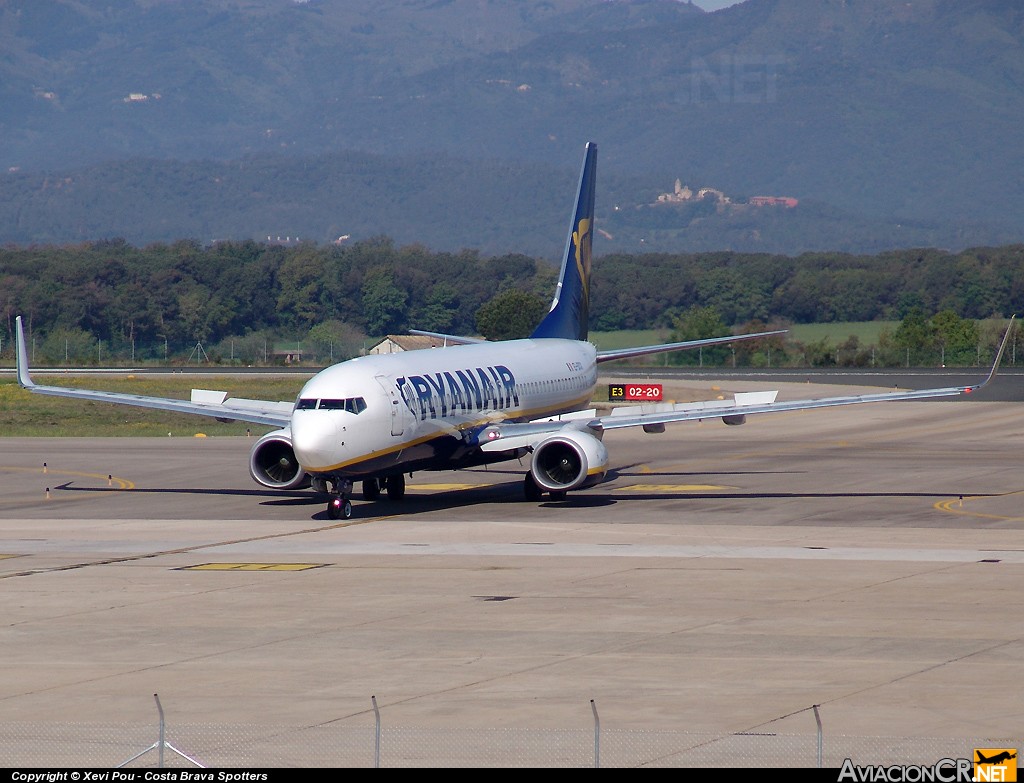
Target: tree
x=956, y=337
x=334, y=341
x=510, y=315
x=383, y=302
x=699, y=323
x=913, y=335
x=69, y=346
x=441, y=306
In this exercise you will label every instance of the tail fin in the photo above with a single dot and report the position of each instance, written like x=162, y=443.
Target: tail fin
x=570, y=308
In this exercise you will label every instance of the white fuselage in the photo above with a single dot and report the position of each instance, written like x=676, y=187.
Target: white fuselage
x=391, y=412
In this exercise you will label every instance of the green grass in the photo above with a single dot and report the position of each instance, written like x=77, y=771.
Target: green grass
x=34, y=415
x=867, y=331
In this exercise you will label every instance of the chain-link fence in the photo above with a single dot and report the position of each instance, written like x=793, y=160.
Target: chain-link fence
x=261, y=746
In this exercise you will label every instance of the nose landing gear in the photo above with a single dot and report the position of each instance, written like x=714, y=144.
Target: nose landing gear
x=340, y=507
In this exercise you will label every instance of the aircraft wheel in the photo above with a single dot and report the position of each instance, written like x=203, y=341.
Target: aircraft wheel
x=530, y=489
x=339, y=508
x=396, y=487
x=371, y=489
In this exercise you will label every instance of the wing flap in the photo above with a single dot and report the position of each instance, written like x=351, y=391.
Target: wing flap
x=710, y=407
x=732, y=408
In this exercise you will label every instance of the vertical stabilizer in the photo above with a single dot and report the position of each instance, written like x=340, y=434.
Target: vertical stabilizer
x=570, y=308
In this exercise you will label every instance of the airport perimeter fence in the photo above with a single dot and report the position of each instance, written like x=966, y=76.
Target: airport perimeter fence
x=110, y=746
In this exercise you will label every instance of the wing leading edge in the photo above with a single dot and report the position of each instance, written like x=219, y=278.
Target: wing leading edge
x=203, y=403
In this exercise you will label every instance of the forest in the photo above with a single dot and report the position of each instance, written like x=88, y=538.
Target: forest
x=111, y=303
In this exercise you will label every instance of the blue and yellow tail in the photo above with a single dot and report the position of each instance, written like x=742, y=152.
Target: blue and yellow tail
x=570, y=308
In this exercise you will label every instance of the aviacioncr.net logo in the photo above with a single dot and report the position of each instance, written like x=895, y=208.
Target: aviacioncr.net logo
x=998, y=765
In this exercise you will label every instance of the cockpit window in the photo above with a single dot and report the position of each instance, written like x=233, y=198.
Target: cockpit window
x=351, y=404
x=305, y=404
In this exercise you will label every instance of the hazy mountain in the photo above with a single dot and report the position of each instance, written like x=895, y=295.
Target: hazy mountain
x=891, y=123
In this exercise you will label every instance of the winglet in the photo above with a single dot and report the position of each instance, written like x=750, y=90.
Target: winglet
x=999, y=358
x=24, y=379
x=570, y=307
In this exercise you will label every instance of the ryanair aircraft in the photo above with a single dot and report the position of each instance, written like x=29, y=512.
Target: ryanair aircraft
x=376, y=419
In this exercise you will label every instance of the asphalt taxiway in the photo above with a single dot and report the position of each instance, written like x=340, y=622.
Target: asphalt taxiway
x=867, y=559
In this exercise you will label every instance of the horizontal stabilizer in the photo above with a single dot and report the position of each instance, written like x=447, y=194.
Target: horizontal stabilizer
x=454, y=339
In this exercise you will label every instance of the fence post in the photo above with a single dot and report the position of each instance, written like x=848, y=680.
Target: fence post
x=376, y=749
x=817, y=718
x=597, y=736
x=161, y=743
x=163, y=731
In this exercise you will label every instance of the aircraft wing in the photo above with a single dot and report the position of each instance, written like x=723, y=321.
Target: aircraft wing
x=499, y=437
x=620, y=417
x=203, y=402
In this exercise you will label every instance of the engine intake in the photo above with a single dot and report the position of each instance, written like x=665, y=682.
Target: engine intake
x=569, y=460
x=273, y=464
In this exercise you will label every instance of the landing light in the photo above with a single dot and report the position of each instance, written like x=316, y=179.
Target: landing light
x=493, y=435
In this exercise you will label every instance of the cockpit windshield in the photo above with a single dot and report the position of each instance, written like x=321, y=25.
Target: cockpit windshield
x=351, y=404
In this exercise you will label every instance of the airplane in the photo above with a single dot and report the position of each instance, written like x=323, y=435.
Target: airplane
x=376, y=419
x=999, y=758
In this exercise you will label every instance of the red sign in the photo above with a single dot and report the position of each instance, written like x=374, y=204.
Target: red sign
x=635, y=392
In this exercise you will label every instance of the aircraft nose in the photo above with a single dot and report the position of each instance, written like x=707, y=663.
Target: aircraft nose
x=316, y=440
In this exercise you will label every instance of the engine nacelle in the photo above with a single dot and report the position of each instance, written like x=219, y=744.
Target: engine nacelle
x=272, y=462
x=567, y=460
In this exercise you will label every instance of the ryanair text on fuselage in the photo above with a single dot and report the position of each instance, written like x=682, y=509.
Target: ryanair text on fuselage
x=436, y=395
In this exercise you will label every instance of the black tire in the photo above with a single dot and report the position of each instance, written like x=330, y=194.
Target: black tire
x=371, y=489
x=346, y=509
x=531, y=491
x=396, y=487
x=335, y=508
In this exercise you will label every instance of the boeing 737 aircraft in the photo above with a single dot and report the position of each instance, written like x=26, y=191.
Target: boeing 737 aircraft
x=376, y=419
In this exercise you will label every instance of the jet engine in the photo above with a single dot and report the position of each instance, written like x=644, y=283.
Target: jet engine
x=272, y=462
x=567, y=460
